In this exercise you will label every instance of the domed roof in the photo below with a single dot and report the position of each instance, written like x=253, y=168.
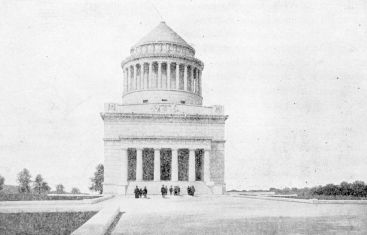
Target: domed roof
x=162, y=33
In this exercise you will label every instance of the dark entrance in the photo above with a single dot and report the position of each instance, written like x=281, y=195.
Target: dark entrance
x=148, y=164
x=166, y=159
x=131, y=162
x=183, y=164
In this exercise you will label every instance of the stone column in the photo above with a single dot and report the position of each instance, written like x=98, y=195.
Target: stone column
x=192, y=165
x=124, y=166
x=199, y=79
x=150, y=75
x=139, y=164
x=159, y=75
x=192, y=79
x=206, y=166
x=177, y=76
x=126, y=76
x=131, y=75
x=185, y=77
x=142, y=86
x=135, y=77
x=157, y=164
x=168, y=75
x=174, y=167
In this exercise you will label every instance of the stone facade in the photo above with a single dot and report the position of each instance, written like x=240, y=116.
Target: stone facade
x=162, y=111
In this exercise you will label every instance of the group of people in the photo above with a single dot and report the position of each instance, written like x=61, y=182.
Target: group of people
x=140, y=192
x=191, y=190
x=172, y=190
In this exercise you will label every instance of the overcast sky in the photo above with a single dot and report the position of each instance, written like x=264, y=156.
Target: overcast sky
x=291, y=75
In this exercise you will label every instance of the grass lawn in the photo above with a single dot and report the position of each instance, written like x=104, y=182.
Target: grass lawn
x=42, y=223
x=40, y=197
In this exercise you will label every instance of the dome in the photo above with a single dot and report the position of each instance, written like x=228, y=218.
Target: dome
x=162, y=33
x=162, y=68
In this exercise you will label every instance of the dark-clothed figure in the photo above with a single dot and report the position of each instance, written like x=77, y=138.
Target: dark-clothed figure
x=166, y=190
x=162, y=190
x=145, y=192
x=136, y=192
x=192, y=190
x=170, y=190
x=140, y=192
x=189, y=190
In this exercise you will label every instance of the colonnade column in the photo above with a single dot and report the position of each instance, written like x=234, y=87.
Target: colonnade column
x=139, y=164
x=124, y=166
x=150, y=75
x=128, y=78
x=177, y=76
x=142, y=76
x=168, y=75
x=131, y=78
x=157, y=165
x=134, y=79
x=206, y=165
x=199, y=81
x=192, y=80
x=192, y=165
x=159, y=75
x=185, y=77
x=174, y=170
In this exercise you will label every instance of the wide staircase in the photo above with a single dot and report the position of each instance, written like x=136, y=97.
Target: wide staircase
x=154, y=187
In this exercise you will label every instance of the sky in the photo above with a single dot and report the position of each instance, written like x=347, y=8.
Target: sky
x=291, y=75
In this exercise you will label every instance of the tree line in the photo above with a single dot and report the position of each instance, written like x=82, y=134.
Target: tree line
x=357, y=189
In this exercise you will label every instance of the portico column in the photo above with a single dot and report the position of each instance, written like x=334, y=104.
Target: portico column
x=150, y=75
x=168, y=75
x=157, y=165
x=206, y=165
x=192, y=165
x=139, y=164
x=159, y=75
x=177, y=76
x=174, y=176
x=185, y=77
x=124, y=166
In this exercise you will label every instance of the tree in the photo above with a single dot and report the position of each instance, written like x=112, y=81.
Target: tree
x=75, y=191
x=60, y=189
x=24, y=179
x=45, y=187
x=97, y=180
x=37, y=184
x=2, y=181
x=358, y=188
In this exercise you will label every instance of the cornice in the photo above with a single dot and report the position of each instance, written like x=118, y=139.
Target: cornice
x=120, y=116
x=162, y=55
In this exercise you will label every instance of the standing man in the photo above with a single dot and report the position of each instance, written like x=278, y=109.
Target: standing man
x=193, y=190
x=136, y=192
x=162, y=191
x=170, y=190
x=145, y=191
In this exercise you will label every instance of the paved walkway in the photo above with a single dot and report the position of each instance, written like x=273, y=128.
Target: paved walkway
x=233, y=215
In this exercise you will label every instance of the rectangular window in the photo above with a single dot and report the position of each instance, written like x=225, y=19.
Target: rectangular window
x=145, y=101
x=183, y=102
x=164, y=100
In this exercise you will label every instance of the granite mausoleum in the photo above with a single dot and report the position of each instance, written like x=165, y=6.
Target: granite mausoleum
x=161, y=133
